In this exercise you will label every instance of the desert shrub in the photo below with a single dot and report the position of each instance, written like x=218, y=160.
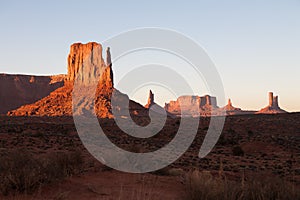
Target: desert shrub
x=202, y=185
x=61, y=165
x=21, y=172
x=238, y=151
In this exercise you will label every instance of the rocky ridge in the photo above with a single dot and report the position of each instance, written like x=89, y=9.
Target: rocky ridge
x=18, y=90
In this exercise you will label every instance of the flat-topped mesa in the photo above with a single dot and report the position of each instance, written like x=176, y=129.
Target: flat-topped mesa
x=193, y=105
x=86, y=64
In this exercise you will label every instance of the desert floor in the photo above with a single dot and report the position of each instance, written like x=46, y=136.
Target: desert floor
x=251, y=147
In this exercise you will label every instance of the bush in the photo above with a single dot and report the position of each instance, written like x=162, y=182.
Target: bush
x=61, y=165
x=19, y=172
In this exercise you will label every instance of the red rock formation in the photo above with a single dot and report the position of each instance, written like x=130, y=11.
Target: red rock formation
x=18, y=90
x=192, y=105
x=150, y=100
x=231, y=110
x=155, y=107
x=85, y=65
x=273, y=107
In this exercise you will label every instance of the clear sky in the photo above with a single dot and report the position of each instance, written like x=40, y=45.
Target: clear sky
x=255, y=45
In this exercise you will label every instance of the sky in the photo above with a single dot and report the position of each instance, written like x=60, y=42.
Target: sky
x=255, y=45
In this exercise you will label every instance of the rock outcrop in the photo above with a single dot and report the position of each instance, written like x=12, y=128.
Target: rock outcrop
x=85, y=67
x=52, y=95
x=87, y=58
x=273, y=107
x=192, y=105
x=150, y=100
x=155, y=107
x=18, y=90
x=231, y=110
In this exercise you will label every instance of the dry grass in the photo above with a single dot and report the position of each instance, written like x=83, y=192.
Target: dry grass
x=21, y=172
x=203, y=186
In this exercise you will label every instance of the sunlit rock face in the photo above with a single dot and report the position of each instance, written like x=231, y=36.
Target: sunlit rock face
x=18, y=90
x=273, y=107
x=150, y=101
x=231, y=110
x=86, y=68
x=192, y=105
x=86, y=64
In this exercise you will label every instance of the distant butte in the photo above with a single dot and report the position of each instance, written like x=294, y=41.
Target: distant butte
x=207, y=106
x=273, y=107
x=25, y=95
x=231, y=110
x=155, y=107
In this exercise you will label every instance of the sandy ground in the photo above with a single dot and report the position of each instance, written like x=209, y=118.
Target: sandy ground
x=270, y=145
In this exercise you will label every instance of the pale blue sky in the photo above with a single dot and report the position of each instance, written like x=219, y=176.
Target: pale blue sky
x=254, y=44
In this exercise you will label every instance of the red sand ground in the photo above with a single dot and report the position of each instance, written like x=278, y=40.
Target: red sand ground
x=270, y=144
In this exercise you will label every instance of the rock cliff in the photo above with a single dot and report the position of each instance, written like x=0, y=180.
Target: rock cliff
x=192, y=105
x=85, y=67
x=18, y=90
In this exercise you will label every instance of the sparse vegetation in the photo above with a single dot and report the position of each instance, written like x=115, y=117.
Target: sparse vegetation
x=202, y=185
x=21, y=172
x=50, y=158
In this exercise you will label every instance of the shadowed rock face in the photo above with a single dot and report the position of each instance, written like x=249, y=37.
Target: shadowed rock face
x=18, y=90
x=86, y=59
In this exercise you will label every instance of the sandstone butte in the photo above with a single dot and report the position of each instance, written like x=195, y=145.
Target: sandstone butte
x=86, y=59
x=273, y=107
x=207, y=106
x=23, y=95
